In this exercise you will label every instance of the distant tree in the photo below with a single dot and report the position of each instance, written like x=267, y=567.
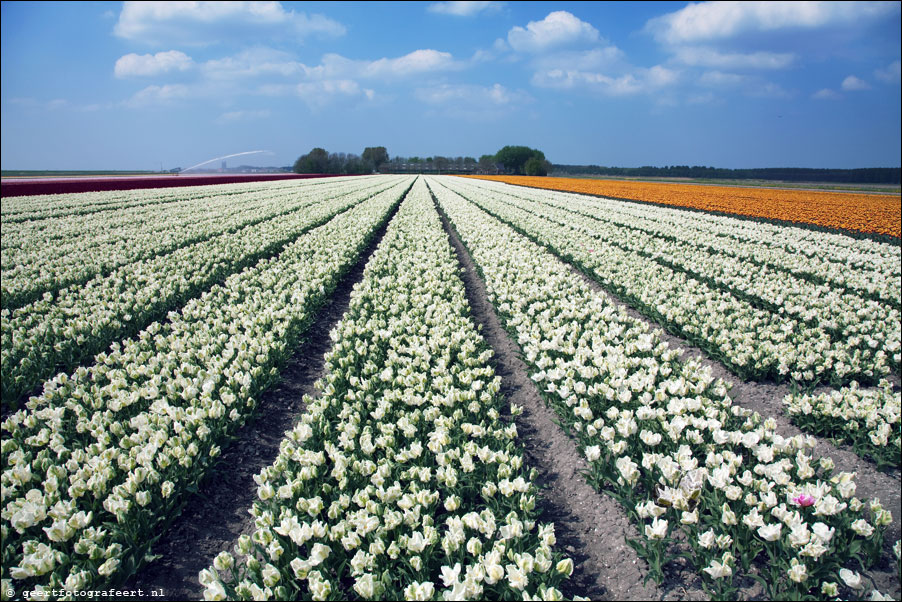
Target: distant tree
x=316, y=161
x=487, y=163
x=514, y=158
x=375, y=156
x=354, y=165
x=536, y=167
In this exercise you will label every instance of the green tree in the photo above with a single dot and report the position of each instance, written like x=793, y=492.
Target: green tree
x=487, y=163
x=375, y=156
x=514, y=158
x=536, y=167
x=316, y=161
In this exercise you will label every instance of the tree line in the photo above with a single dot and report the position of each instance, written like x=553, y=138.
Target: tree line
x=520, y=160
x=871, y=175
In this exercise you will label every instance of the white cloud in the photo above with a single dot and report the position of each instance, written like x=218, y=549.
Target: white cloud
x=318, y=94
x=852, y=83
x=891, y=74
x=581, y=60
x=138, y=65
x=467, y=94
x=639, y=82
x=266, y=61
x=718, y=20
x=825, y=94
x=200, y=23
x=416, y=62
x=557, y=29
x=720, y=79
x=709, y=57
x=253, y=62
x=156, y=95
x=464, y=9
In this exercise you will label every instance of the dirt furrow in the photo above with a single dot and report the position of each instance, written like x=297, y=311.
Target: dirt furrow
x=214, y=517
x=591, y=527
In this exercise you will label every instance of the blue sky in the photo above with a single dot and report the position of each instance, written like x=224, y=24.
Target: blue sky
x=112, y=85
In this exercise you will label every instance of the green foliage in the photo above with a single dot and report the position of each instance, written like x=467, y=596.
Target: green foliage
x=316, y=161
x=514, y=158
x=537, y=167
x=375, y=156
x=319, y=160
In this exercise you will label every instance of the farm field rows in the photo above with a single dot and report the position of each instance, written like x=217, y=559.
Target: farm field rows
x=869, y=213
x=764, y=325
x=405, y=476
x=70, y=326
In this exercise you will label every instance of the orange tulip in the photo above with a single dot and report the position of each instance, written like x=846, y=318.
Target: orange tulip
x=869, y=213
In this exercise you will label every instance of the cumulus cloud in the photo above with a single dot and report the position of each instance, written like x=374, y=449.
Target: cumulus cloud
x=557, y=29
x=321, y=93
x=718, y=20
x=825, y=94
x=156, y=95
x=143, y=65
x=474, y=95
x=464, y=9
x=628, y=84
x=416, y=62
x=852, y=83
x=720, y=79
x=581, y=60
x=253, y=62
x=695, y=56
x=200, y=23
x=891, y=74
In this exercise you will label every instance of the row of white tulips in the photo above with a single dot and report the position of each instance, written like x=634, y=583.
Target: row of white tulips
x=752, y=342
x=866, y=419
x=663, y=437
x=38, y=207
x=96, y=466
x=25, y=208
x=115, y=222
x=140, y=234
x=400, y=481
x=59, y=333
x=67, y=251
x=862, y=326
x=112, y=222
x=864, y=267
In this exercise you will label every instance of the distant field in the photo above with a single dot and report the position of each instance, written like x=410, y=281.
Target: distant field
x=862, y=187
x=60, y=183
x=866, y=213
x=45, y=173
